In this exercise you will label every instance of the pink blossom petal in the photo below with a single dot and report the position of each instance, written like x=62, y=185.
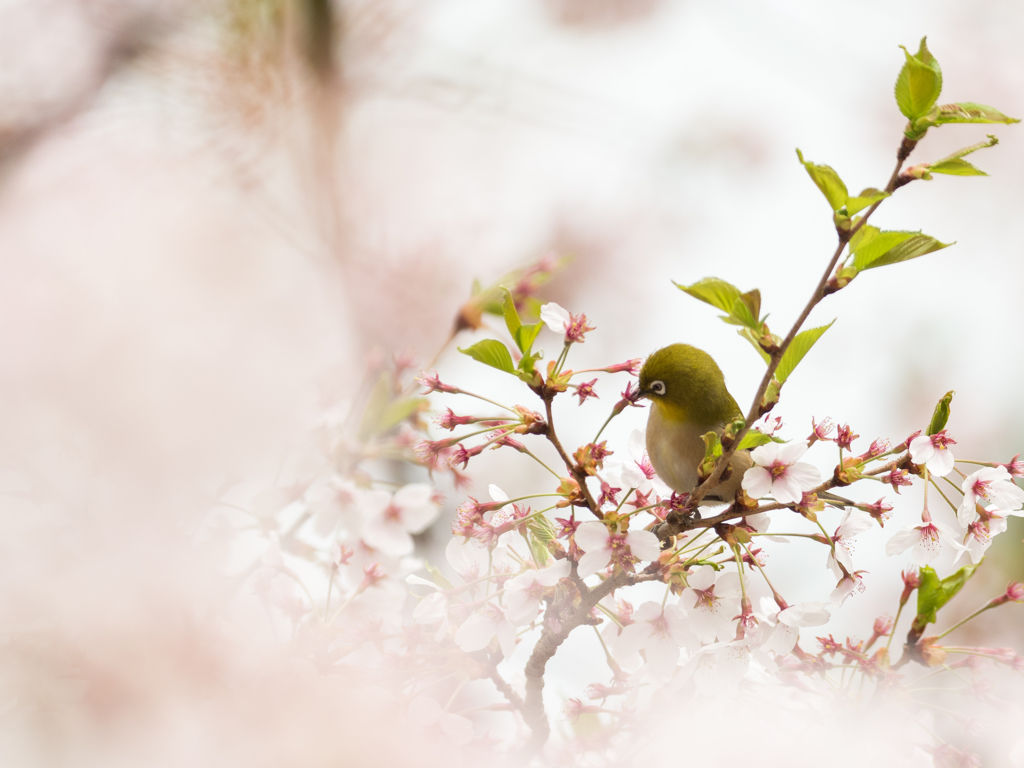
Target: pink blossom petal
x=592, y=537
x=757, y=482
x=592, y=562
x=644, y=545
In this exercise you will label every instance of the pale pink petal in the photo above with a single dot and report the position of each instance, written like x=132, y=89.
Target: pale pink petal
x=790, y=453
x=592, y=537
x=506, y=637
x=553, y=574
x=475, y=633
x=631, y=640
x=806, y=475
x=702, y=578
x=662, y=656
x=941, y=464
x=782, y=639
x=811, y=614
x=430, y=609
x=765, y=455
x=902, y=540
x=727, y=585
x=786, y=489
x=592, y=562
x=922, y=449
x=927, y=548
x=496, y=493
x=555, y=317
x=757, y=482
x=389, y=536
x=854, y=522
x=644, y=545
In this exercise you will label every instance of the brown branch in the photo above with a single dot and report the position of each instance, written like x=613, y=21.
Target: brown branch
x=756, y=412
x=505, y=689
x=548, y=644
x=578, y=474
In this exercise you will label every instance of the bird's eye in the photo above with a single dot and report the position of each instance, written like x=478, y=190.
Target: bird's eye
x=658, y=387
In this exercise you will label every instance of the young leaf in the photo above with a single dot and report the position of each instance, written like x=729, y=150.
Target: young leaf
x=711, y=290
x=754, y=338
x=525, y=335
x=508, y=309
x=746, y=310
x=712, y=446
x=795, y=353
x=969, y=112
x=933, y=594
x=828, y=181
x=753, y=438
x=491, y=352
x=866, y=198
x=919, y=83
x=955, y=167
x=376, y=404
x=399, y=411
x=907, y=248
x=941, y=414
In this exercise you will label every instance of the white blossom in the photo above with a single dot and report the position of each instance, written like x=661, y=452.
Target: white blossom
x=602, y=547
x=778, y=472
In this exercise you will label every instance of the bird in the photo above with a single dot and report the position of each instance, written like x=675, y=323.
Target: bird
x=689, y=398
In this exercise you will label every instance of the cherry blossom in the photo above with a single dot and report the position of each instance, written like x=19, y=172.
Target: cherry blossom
x=559, y=320
x=782, y=637
x=846, y=587
x=524, y=592
x=659, y=632
x=390, y=519
x=854, y=522
x=778, y=472
x=979, y=535
x=482, y=626
x=431, y=717
x=712, y=602
x=933, y=451
x=993, y=485
x=926, y=539
x=603, y=547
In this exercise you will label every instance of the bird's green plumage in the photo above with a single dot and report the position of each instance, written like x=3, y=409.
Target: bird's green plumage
x=688, y=399
x=694, y=386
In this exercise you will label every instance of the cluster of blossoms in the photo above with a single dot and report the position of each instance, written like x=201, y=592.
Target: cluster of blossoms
x=682, y=606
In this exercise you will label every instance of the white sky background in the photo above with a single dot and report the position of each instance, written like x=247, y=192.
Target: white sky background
x=167, y=262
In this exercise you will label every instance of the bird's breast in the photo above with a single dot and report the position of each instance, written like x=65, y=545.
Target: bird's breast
x=675, y=449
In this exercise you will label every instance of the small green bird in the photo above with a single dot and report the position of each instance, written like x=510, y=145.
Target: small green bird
x=688, y=399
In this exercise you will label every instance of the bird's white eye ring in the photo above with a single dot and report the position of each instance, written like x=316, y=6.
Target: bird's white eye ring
x=658, y=387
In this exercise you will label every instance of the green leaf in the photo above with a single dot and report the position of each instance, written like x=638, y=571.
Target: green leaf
x=969, y=112
x=955, y=167
x=828, y=181
x=525, y=335
x=376, y=404
x=866, y=198
x=541, y=532
x=508, y=309
x=712, y=446
x=904, y=250
x=753, y=337
x=491, y=352
x=746, y=309
x=753, y=438
x=919, y=83
x=933, y=594
x=941, y=414
x=795, y=353
x=873, y=248
x=713, y=291
x=399, y=411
